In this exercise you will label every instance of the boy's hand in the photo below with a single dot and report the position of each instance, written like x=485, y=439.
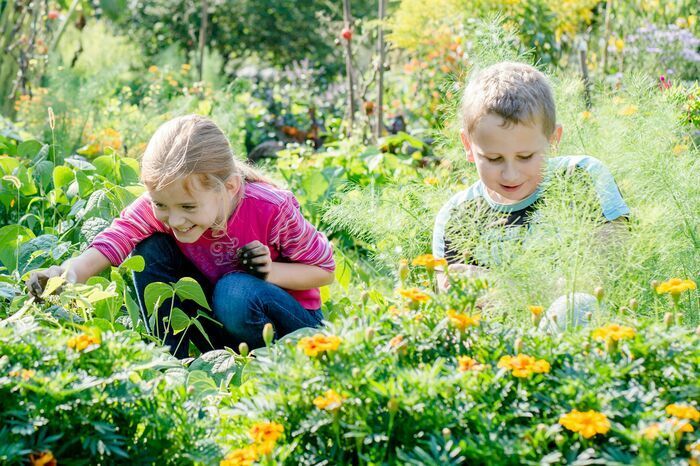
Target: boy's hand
x=36, y=283
x=255, y=259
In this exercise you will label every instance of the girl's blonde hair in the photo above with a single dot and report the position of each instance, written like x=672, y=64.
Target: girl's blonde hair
x=193, y=147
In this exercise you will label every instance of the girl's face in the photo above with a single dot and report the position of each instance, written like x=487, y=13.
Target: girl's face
x=191, y=213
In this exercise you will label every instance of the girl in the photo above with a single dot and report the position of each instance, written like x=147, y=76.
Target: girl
x=207, y=216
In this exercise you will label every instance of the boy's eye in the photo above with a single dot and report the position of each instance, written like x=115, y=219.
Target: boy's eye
x=526, y=157
x=495, y=159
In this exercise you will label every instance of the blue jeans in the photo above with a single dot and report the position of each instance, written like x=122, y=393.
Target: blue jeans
x=243, y=304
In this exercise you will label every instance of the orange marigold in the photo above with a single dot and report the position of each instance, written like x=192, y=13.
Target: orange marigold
x=329, y=401
x=468, y=364
x=683, y=411
x=82, y=341
x=318, y=344
x=415, y=295
x=463, y=321
x=614, y=332
x=524, y=366
x=587, y=423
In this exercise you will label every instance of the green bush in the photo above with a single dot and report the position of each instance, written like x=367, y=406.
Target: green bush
x=90, y=398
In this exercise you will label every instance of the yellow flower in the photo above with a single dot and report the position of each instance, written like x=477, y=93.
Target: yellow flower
x=319, y=343
x=82, y=341
x=263, y=432
x=396, y=341
x=587, y=423
x=613, y=332
x=468, y=364
x=330, y=401
x=241, y=457
x=678, y=149
x=186, y=67
x=676, y=286
x=414, y=294
x=429, y=261
x=619, y=45
x=652, y=431
x=628, y=110
x=153, y=69
x=682, y=411
x=586, y=115
x=44, y=458
x=463, y=321
x=431, y=181
x=536, y=310
x=524, y=366
x=679, y=426
x=24, y=374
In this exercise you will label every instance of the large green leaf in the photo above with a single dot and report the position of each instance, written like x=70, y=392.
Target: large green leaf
x=179, y=320
x=154, y=295
x=11, y=238
x=222, y=365
x=29, y=148
x=62, y=176
x=202, y=384
x=188, y=288
x=133, y=264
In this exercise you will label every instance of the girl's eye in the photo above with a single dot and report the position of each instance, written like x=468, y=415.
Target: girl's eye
x=158, y=206
x=188, y=208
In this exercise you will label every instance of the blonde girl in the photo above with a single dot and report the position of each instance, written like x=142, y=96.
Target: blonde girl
x=208, y=216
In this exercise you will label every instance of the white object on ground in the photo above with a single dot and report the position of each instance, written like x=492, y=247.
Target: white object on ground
x=568, y=311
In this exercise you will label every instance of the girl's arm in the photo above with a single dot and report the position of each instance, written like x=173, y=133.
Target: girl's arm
x=255, y=258
x=78, y=269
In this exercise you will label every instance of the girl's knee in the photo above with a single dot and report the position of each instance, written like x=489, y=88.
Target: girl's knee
x=156, y=248
x=234, y=301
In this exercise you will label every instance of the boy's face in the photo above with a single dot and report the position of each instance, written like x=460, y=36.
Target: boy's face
x=509, y=160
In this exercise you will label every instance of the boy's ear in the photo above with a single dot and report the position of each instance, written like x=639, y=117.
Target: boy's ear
x=555, y=138
x=467, y=145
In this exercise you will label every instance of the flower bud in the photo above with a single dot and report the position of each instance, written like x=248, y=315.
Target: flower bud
x=634, y=305
x=589, y=316
x=446, y=433
x=668, y=319
x=518, y=345
x=369, y=334
x=268, y=334
x=243, y=349
x=364, y=296
x=392, y=405
x=403, y=270
x=655, y=284
x=355, y=372
x=598, y=293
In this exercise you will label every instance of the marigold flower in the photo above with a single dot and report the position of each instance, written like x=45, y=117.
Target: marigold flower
x=652, y=431
x=463, y=321
x=429, y=261
x=524, y=366
x=241, y=457
x=82, y=341
x=629, y=110
x=675, y=286
x=44, y=458
x=468, y=364
x=613, y=332
x=266, y=432
x=186, y=67
x=415, y=295
x=153, y=69
x=319, y=343
x=431, y=181
x=679, y=426
x=396, y=341
x=587, y=423
x=330, y=401
x=586, y=115
x=682, y=411
x=24, y=374
x=536, y=310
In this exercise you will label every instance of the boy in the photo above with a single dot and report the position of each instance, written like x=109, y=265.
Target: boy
x=509, y=124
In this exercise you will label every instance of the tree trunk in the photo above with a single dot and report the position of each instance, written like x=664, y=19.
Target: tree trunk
x=347, y=22
x=380, y=83
x=202, y=38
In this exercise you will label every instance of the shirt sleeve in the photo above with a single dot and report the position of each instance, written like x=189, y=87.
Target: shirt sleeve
x=611, y=201
x=135, y=223
x=298, y=240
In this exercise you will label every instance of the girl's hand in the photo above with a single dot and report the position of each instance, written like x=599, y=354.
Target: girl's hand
x=36, y=283
x=255, y=259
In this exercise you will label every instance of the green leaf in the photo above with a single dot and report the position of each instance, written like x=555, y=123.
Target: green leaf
x=11, y=238
x=154, y=295
x=222, y=365
x=106, y=166
x=343, y=271
x=62, y=176
x=52, y=285
x=133, y=264
x=129, y=170
x=179, y=320
x=188, y=288
x=202, y=383
x=29, y=148
x=314, y=185
x=43, y=172
x=85, y=185
x=132, y=308
x=199, y=326
x=8, y=164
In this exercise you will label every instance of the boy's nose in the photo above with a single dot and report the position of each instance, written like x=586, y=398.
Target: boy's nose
x=509, y=173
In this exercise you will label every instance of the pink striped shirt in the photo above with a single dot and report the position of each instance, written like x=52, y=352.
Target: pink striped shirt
x=265, y=213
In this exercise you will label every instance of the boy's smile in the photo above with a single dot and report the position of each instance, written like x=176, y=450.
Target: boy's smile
x=509, y=158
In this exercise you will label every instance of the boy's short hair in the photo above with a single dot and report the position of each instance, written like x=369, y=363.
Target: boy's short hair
x=516, y=92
